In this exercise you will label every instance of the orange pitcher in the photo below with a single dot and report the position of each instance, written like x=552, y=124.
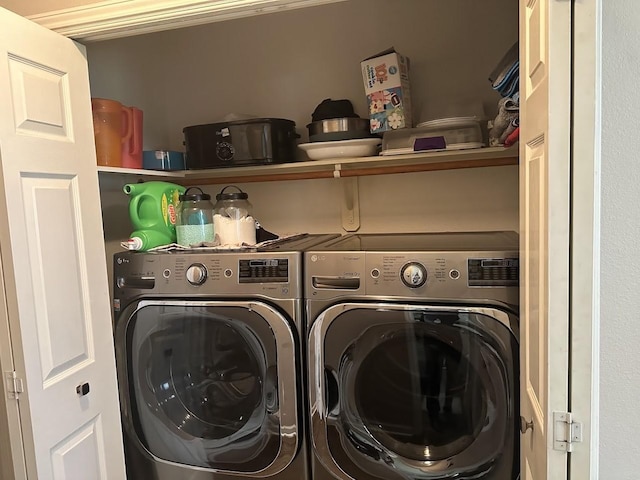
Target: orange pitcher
x=132, y=149
x=112, y=126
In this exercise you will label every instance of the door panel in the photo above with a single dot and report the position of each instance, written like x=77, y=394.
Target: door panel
x=545, y=92
x=80, y=455
x=40, y=95
x=54, y=259
x=534, y=330
x=64, y=346
x=536, y=47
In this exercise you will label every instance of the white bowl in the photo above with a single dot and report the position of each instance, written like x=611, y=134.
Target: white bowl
x=361, y=147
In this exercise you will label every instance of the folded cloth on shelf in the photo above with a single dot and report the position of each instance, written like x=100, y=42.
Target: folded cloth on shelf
x=510, y=105
x=515, y=123
x=263, y=235
x=510, y=84
x=513, y=138
x=506, y=116
x=505, y=77
x=509, y=58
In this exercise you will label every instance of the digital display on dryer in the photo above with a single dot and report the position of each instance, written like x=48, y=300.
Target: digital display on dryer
x=493, y=272
x=271, y=270
x=499, y=262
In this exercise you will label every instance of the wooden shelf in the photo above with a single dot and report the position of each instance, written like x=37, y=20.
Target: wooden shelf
x=337, y=167
x=137, y=171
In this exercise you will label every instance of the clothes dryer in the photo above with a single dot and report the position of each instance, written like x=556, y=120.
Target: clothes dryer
x=209, y=361
x=413, y=356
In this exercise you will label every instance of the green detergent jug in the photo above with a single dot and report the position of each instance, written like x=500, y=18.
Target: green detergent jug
x=152, y=211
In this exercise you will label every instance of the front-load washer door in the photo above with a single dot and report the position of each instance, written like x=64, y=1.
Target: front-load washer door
x=211, y=385
x=414, y=392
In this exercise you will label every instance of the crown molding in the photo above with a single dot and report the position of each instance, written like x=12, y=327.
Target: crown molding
x=121, y=18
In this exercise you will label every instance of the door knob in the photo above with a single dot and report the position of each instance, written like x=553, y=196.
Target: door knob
x=524, y=425
x=83, y=389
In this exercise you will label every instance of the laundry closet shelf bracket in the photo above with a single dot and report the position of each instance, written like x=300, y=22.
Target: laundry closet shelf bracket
x=350, y=205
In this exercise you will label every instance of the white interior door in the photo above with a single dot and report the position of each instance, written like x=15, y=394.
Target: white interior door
x=545, y=89
x=53, y=258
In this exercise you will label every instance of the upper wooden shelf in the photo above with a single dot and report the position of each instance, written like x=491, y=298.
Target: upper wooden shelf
x=337, y=167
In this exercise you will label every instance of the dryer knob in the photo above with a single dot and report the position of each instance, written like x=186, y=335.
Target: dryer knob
x=197, y=274
x=414, y=275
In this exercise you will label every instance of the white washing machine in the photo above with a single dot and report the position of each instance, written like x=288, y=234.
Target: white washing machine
x=210, y=366
x=413, y=356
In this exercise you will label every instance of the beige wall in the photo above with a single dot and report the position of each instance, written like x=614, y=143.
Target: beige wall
x=620, y=231
x=284, y=64
x=474, y=199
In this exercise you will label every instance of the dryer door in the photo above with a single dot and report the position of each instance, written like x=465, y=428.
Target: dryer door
x=210, y=384
x=412, y=392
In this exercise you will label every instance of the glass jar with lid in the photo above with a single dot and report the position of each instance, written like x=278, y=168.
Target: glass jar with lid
x=194, y=222
x=233, y=220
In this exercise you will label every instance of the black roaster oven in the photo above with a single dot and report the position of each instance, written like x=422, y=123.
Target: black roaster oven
x=257, y=141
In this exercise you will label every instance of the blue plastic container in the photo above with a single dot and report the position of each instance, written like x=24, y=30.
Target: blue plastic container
x=162, y=160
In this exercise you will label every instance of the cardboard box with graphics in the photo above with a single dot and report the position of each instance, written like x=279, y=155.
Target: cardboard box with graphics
x=386, y=84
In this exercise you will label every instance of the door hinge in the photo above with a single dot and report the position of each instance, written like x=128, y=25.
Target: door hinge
x=566, y=431
x=15, y=385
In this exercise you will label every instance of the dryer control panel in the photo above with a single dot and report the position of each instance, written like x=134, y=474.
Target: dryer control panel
x=259, y=270
x=433, y=275
x=493, y=272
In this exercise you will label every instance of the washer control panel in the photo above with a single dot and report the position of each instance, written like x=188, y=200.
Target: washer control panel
x=414, y=274
x=196, y=274
x=274, y=274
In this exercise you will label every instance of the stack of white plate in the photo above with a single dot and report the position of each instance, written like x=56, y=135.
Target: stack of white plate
x=360, y=147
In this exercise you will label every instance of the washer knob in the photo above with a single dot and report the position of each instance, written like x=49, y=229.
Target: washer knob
x=414, y=275
x=197, y=274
